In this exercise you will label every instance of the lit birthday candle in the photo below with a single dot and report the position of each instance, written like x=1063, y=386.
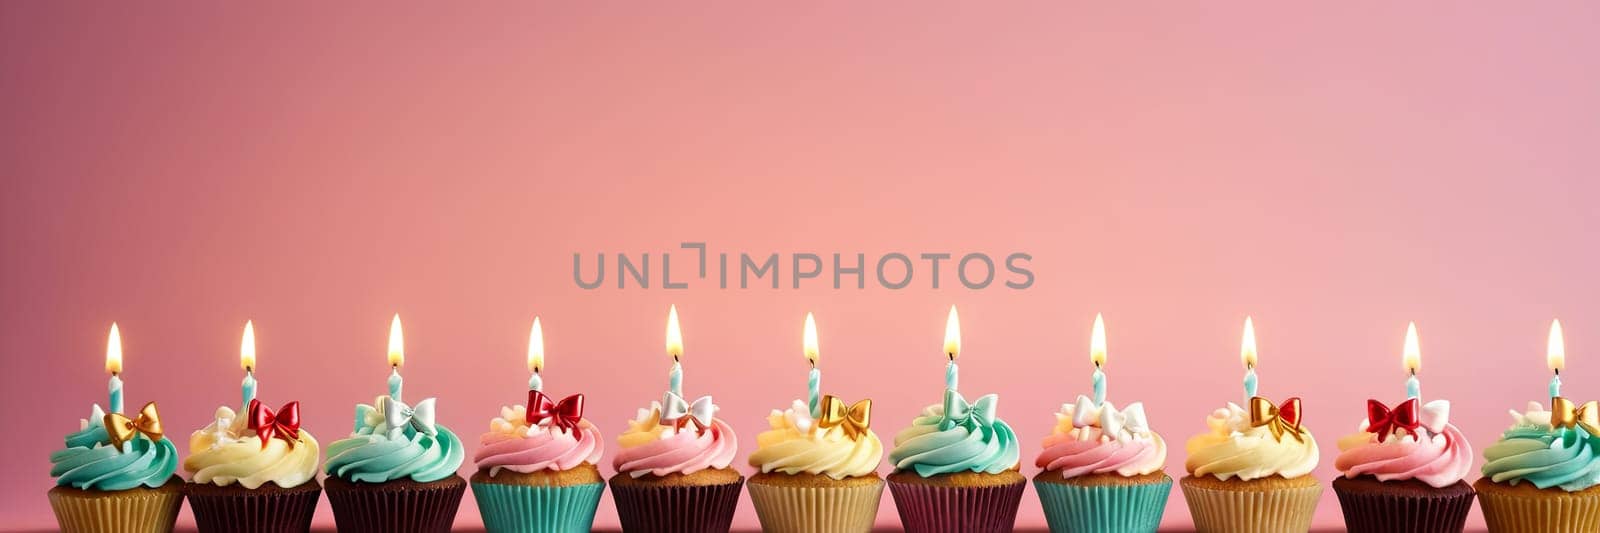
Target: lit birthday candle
x=814, y=378
x=1097, y=356
x=952, y=349
x=247, y=361
x=536, y=356
x=1247, y=353
x=1555, y=357
x=1412, y=355
x=397, y=357
x=674, y=350
x=114, y=367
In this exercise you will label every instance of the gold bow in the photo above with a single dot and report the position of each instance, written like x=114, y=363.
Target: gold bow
x=1563, y=414
x=122, y=429
x=1279, y=419
x=853, y=418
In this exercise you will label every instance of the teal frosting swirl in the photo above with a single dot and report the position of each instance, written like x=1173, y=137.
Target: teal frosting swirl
x=370, y=455
x=933, y=445
x=1544, y=456
x=90, y=462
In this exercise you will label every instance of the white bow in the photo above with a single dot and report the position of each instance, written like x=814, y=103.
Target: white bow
x=674, y=407
x=1121, y=425
x=397, y=415
x=1435, y=415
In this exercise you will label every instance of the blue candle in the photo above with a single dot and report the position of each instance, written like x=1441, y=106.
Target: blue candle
x=952, y=375
x=395, y=383
x=247, y=388
x=115, y=387
x=675, y=379
x=1413, y=387
x=1099, y=386
x=814, y=391
x=1249, y=384
x=1555, y=385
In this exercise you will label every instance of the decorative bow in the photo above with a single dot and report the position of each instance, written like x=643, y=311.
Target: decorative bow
x=957, y=412
x=564, y=414
x=122, y=429
x=284, y=424
x=1383, y=421
x=854, y=418
x=1278, y=418
x=397, y=415
x=680, y=413
x=1564, y=414
x=1120, y=425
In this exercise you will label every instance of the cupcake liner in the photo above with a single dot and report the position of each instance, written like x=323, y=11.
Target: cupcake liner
x=816, y=509
x=248, y=511
x=939, y=509
x=1555, y=512
x=1252, y=511
x=394, y=508
x=1367, y=511
x=128, y=511
x=1105, y=508
x=537, y=509
x=677, y=508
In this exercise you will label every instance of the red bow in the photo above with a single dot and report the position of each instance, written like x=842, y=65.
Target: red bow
x=564, y=414
x=1383, y=421
x=284, y=424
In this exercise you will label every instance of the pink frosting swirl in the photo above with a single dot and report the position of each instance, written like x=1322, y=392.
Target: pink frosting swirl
x=1075, y=455
x=513, y=445
x=1439, y=458
x=648, y=447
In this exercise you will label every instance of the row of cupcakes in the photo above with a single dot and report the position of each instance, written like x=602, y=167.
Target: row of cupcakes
x=956, y=468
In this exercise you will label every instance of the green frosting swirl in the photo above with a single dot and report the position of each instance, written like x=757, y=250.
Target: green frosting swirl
x=931, y=447
x=90, y=462
x=370, y=455
x=1544, y=456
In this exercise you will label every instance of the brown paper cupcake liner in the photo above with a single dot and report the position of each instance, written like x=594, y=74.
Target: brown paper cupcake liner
x=1372, y=506
x=240, y=510
x=395, y=506
x=816, y=509
x=676, y=508
x=1278, y=510
x=928, y=508
x=139, y=510
x=1541, y=511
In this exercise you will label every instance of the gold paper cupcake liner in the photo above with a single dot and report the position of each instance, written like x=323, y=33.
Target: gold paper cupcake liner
x=129, y=511
x=1275, y=510
x=794, y=509
x=1526, y=510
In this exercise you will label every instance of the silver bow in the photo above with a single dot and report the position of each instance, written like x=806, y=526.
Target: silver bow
x=1121, y=425
x=674, y=407
x=397, y=416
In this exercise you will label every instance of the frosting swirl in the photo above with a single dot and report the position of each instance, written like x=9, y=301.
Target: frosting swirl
x=91, y=462
x=1090, y=439
x=226, y=451
x=650, y=447
x=512, y=444
x=1536, y=452
x=1436, y=453
x=791, y=447
x=929, y=447
x=375, y=454
x=1236, y=448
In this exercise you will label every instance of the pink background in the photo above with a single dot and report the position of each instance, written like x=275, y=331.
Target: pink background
x=1333, y=171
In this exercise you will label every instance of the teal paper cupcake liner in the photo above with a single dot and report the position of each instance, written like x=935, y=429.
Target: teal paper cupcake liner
x=531, y=509
x=1104, y=509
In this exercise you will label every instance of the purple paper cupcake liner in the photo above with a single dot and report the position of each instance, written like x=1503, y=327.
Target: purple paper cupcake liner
x=938, y=509
x=376, y=508
x=677, y=509
x=1367, y=511
x=246, y=511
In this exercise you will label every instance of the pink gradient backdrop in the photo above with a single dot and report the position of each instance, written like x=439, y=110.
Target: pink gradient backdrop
x=1334, y=171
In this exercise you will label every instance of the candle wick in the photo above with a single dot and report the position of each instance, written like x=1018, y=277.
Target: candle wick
x=952, y=356
x=1096, y=365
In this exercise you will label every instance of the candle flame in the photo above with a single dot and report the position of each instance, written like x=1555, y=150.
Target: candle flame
x=536, y=347
x=1247, y=347
x=397, y=343
x=1556, y=352
x=674, y=335
x=1097, y=342
x=114, y=351
x=1413, y=350
x=952, y=335
x=810, y=340
x=247, y=347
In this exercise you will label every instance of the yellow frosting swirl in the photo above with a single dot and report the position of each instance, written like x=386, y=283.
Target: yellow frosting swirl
x=791, y=446
x=1236, y=449
x=226, y=452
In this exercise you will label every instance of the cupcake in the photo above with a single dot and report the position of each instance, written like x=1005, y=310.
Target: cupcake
x=1252, y=471
x=536, y=468
x=673, y=469
x=956, y=467
x=1102, y=470
x=396, y=472
x=253, y=473
x=1542, y=474
x=1403, y=471
x=116, y=475
x=818, y=475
